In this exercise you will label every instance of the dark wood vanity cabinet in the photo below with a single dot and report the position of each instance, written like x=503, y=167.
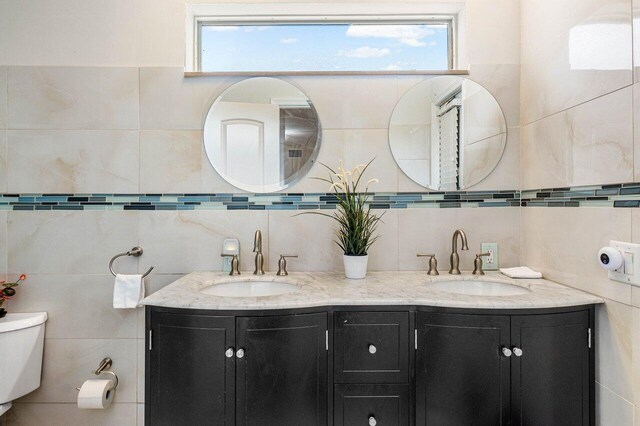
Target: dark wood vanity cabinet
x=370, y=366
x=226, y=370
x=461, y=379
x=505, y=369
x=371, y=347
x=551, y=381
x=358, y=404
x=191, y=377
x=282, y=377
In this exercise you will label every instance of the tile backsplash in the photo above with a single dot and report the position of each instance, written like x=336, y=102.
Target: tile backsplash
x=619, y=195
x=244, y=201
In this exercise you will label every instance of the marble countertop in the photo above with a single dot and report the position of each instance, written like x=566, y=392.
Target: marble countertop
x=317, y=289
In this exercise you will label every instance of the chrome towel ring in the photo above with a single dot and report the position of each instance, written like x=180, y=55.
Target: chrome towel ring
x=135, y=252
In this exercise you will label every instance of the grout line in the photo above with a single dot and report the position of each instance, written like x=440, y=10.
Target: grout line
x=634, y=150
x=578, y=104
x=70, y=403
x=93, y=338
x=6, y=127
x=615, y=393
x=6, y=98
x=139, y=141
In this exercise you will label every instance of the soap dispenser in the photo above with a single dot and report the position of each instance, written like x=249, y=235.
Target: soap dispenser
x=230, y=248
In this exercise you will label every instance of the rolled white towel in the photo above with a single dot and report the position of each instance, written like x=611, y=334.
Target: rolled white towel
x=128, y=291
x=521, y=272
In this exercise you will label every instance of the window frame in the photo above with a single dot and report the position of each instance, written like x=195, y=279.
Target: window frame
x=199, y=16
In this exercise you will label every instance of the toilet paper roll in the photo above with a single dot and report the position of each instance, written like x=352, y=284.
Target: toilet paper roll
x=95, y=394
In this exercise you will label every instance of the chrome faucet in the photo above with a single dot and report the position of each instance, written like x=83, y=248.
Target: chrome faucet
x=455, y=259
x=257, y=249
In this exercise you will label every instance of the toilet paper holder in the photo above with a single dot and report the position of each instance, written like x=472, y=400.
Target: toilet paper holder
x=102, y=369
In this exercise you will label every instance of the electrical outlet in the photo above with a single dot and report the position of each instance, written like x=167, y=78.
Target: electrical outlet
x=490, y=263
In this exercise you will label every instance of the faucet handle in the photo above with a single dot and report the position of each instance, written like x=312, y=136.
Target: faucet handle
x=235, y=263
x=477, y=263
x=433, y=263
x=282, y=264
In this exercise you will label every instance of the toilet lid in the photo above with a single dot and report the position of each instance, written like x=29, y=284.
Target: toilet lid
x=19, y=321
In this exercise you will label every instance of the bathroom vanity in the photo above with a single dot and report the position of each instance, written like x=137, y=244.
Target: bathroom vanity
x=394, y=349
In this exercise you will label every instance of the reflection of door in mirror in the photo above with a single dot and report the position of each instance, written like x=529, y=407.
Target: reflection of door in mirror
x=250, y=136
x=244, y=157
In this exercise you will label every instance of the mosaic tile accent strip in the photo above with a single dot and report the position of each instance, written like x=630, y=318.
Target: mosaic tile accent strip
x=615, y=195
x=316, y=201
x=624, y=195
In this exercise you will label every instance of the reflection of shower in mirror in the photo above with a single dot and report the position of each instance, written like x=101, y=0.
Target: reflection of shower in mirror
x=262, y=134
x=447, y=133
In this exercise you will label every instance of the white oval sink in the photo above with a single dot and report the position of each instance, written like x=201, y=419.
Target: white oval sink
x=250, y=289
x=479, y=288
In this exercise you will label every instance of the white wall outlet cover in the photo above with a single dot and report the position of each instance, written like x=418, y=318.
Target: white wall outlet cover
x=490, y=263
x=629, y=270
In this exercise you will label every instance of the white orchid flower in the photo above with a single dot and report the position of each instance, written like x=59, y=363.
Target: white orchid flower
x=347, y=178
x=337, y=185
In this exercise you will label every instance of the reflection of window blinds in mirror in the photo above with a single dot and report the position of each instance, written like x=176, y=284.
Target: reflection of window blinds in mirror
x=448, y=125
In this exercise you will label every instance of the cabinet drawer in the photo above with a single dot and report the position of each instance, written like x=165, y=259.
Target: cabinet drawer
x=371, y=347
x=375, y=405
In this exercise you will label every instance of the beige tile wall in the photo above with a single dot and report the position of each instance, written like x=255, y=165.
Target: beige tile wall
x=66, y=253
x=57, y=144
x=85, y=112
x=578, y=107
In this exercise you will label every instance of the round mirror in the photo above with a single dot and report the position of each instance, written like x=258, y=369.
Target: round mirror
x=447, y=133
x=262, y=134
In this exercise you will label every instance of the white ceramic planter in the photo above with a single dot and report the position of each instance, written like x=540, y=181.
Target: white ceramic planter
x=355, y=267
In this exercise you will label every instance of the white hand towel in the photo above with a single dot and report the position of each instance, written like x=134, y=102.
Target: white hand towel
x=128, y=291
x=521, y=272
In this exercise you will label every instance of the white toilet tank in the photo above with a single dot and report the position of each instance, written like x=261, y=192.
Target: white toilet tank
x=21, y=346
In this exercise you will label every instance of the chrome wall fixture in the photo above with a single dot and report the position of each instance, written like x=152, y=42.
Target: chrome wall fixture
x=103, y=369
x=135, y=252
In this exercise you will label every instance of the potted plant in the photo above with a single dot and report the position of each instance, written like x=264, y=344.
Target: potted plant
x=7, y=291
x=357, y=223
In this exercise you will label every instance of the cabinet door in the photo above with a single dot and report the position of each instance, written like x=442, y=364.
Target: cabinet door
x=551, y=379
x=281, y=380
x=375, y=405
x=462, y=378
x=191, y=380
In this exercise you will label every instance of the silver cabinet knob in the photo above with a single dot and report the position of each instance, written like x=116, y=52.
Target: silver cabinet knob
x=517, y=351
x=372, y=349
x=372, y=421
x=240, y=353
x=506, y=352
x=229, y=353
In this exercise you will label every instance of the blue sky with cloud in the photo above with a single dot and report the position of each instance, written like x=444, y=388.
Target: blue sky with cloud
x=330, y=47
